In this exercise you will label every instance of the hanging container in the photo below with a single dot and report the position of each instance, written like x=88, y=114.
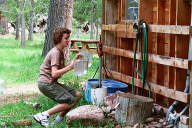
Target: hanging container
x=97, y=95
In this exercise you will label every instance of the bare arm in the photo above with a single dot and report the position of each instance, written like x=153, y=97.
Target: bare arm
x=56, y=72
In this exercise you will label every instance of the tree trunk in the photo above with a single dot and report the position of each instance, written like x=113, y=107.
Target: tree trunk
x=68, y=24
x=23, y=25
x=4, y=21
x=92, y=18
x=17, y=22
x=30, y=36
x=78, y=30
x=132, y=108
x=97, y=34
x=4, y=24
x=68, y=14
x=56, y=17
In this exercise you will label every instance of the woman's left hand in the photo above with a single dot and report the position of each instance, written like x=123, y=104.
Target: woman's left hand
x=78, y=56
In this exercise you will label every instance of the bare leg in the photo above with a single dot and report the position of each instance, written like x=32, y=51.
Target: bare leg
x=64, y=108
x=78, y=97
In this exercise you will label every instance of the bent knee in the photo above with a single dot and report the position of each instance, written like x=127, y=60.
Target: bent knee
x=78, y=94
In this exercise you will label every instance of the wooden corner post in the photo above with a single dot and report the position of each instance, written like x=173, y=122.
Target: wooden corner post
x=190, y=107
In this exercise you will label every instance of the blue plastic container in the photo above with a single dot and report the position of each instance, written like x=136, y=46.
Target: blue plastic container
x=112, y=87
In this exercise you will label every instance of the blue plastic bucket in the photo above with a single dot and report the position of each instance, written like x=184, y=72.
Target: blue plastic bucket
x=112, y=87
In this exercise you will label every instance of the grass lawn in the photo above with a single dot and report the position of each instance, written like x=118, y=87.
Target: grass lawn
x=19, y=111
x=21, y=65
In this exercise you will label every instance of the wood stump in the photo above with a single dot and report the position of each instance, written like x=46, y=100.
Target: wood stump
x=132, y=109
x=24, y=122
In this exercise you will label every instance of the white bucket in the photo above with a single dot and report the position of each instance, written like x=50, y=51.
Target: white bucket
x=97, y=95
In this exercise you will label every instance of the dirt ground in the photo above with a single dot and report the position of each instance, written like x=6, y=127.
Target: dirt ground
x=17, y=92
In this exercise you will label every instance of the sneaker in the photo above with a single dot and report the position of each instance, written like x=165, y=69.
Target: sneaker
x=42, y=119
x=55, y=121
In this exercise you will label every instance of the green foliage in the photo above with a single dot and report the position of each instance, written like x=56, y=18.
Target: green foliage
x=40, y=7
x=82, y=10
x=132, y=3
x=9, y=9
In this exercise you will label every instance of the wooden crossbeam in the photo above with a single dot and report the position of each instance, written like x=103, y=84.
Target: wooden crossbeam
x=88, y=41
x=168, y=29
x=84, y=46
x=158, y=89
x=171, y=29
x=165, y=60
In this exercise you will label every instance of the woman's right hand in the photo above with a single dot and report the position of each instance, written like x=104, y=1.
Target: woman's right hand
x=78, y=56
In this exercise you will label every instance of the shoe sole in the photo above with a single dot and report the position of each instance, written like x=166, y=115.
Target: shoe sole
x=38, y=121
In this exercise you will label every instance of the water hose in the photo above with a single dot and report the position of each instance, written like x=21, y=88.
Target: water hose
x=142, y=38
x=180, y=114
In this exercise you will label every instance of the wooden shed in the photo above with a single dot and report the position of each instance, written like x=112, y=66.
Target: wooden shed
x=168, y=43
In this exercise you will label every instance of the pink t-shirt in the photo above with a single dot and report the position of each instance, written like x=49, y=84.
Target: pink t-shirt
x=55, y=57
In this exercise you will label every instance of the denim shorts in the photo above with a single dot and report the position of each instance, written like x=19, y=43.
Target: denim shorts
x=58, y=92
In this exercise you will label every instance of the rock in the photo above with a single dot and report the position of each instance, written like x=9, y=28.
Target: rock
x=83, y=85
x=110, y=100
x=142, y=126
x=106, y=109
x=136, y=125
x=165, y=123
x=3, y=124
x=118, y=126
x=35, y=105
x=161, y=112
x=86, y=112
x=128, y=127
x=159, y=125
x=161, y=120
x=148, y=120
x=112, y=114
x=169, y=126
x=153, y=123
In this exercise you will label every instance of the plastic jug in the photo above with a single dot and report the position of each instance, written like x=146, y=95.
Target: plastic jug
x=87, y=56
x=80, y=67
